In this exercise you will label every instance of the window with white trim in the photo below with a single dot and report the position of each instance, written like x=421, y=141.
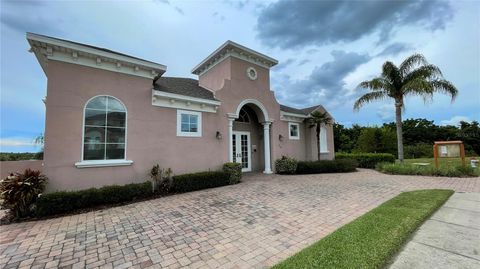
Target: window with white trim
x=104, y=133
x=323, y=139
x=243, y=116
x=189, y=123
x=293, y=131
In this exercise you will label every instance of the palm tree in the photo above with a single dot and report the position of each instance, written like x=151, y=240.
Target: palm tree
x=39, y=140
x=317, y=119
x=415, y=76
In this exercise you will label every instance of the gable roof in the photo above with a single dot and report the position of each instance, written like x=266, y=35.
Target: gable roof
x=288, y=109
x=303, y=111
x=183, y=86
x=233, y=49
x=309, y=110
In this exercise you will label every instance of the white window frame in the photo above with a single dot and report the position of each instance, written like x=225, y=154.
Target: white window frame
x=297, y=137
x=323, y=139
x=103, y=163
x=198, y=133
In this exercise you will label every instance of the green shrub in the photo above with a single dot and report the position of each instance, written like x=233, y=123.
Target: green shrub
x=201, y=180
x=67, y=201
x=367, y=160
x=286, y=165
x=419, y=150
x=234, y=170
x=430, y=170
x=19, y=191
x=14, y=156
x=161, y=179
x=333, y=166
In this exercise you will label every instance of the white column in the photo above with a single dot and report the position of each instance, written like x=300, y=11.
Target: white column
x=266, y=136
x=230, y=141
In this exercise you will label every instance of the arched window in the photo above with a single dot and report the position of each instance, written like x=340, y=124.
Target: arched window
x=243, y=116
x=104, y=131
x=323, y=139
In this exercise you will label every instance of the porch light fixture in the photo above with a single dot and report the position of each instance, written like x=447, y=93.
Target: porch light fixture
x=218, y=135
x=280, y=137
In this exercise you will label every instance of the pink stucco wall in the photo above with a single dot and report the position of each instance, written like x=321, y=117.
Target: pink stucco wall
x=8, y=167
x=151, y=130
x=216, y=76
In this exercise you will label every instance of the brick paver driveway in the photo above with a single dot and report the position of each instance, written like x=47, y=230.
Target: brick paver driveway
x=253, y=224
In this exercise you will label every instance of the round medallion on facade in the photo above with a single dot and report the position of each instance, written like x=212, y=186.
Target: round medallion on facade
x=252, y=73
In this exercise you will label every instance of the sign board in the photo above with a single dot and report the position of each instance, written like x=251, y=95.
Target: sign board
x=448, y=149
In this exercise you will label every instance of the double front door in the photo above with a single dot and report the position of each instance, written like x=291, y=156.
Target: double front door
x=241, y=150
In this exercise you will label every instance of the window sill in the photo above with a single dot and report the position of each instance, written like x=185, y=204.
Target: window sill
x=189, y=135
x=324, y=151
x=103, y=163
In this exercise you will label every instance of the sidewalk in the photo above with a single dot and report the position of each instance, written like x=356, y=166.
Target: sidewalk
x=449, y=239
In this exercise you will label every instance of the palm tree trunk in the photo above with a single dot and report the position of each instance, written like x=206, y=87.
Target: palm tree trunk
x=398, y=119
x=318, y=141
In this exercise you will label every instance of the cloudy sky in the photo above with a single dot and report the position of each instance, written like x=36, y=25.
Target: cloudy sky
x=325, y=48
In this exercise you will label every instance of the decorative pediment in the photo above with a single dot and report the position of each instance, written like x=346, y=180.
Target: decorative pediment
x=49, y=48
x=232, y=49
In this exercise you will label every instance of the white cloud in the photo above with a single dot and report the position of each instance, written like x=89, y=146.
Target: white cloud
x=16, y=142
x=455, y=120
x=386, y=112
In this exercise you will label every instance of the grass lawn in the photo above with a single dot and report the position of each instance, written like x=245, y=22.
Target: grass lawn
x=447, y=167
x=443, y=162
x=371, y=240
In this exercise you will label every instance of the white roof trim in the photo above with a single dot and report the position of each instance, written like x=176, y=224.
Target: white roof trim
x=51, y=48
x=292, y=117
x=231, y=48
x=178, y=101
x=185, y=98
x=293, y=114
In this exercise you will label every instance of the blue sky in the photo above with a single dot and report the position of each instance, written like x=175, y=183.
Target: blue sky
x=324, y=48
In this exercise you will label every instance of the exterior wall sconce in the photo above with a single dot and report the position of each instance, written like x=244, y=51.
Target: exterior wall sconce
x=280, y=137
x=218, y=135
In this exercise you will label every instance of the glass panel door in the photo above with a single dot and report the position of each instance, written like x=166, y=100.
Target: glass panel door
x=241, y=150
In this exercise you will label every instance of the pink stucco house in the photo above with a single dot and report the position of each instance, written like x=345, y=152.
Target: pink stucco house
x=110, y=117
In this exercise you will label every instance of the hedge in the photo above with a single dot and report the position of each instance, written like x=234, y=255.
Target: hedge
x=333, y=166
x=367, y=160
x=201, y=180
x=235, y=171
x=67, y=201
x=286, y=165
x=411, y=169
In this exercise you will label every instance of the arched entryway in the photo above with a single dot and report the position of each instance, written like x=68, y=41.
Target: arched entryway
x=249, y=136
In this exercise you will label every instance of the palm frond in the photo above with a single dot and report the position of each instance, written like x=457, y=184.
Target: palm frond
x=444, y=86
x=428, y=71
x=419, y=86
x=390, y=72
x=412, y=61
x=318, y=118
x=369, y=97
x=375, y=84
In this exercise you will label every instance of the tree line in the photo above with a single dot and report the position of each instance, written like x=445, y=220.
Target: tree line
x=418, y=137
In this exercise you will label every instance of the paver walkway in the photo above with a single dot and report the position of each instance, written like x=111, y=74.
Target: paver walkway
x=449, y=239
x=254, y=224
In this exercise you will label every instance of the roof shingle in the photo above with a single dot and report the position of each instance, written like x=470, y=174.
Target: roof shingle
x=290, y=109
x=183, y=86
